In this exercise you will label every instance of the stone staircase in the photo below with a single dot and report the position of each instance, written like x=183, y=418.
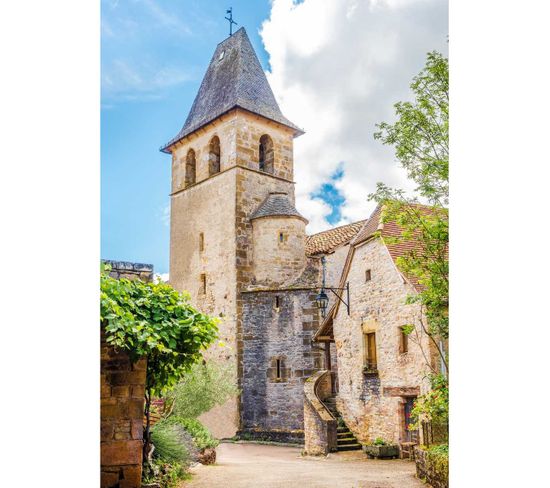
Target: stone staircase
x=346, y=441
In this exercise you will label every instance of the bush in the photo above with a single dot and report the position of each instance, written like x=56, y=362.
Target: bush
x=203, y=387
x=170, y=443
x=167, y=475
x=202, y=437
x=437, y=460
x=379, y=442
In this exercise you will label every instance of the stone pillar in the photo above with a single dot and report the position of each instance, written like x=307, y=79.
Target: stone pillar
x=122, y=403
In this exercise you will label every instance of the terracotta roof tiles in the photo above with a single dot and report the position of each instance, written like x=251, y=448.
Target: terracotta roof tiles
x=328, y=240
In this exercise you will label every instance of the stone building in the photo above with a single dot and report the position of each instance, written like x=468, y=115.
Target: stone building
x=239, y=246
x=380, y=369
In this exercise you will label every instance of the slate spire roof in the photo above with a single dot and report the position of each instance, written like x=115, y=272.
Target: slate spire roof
x=234, y=78
x=277, y=204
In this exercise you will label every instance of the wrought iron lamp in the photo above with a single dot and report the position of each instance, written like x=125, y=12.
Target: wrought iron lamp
x=322, y=298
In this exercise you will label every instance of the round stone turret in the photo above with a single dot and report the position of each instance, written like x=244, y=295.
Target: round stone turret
x=279, y=235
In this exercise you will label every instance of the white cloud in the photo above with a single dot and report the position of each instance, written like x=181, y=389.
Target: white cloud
x=161, y=277
x=337, y=70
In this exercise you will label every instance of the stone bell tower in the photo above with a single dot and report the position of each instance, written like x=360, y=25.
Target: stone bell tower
x=234, y=150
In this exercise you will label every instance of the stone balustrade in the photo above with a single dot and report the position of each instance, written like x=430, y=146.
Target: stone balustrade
x=319, y=424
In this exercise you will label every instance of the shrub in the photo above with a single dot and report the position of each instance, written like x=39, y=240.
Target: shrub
x=437, y=461
x=379, y=442
x=202, y=437
x=167, y=475
x=202, y=388
x=170, y=443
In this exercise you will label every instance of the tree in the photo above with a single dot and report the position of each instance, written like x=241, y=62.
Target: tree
x=420, y=136
x=154, y=321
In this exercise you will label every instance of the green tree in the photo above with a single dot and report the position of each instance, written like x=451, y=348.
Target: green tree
x=154, y=321
x=420, y=136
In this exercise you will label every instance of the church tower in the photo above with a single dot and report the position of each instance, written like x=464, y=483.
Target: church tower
x=233, y=223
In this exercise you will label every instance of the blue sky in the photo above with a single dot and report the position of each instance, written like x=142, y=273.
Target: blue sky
x=336, y=71
x=153, y=56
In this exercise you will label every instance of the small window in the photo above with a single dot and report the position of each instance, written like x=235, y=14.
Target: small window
x=214, y=156
x=266, y=159
x=201, y=242
x=279, y=372
x=277, y=303
x=203, y=284
x=282, y=237
x=403, y=341
x=369, y=343
x=190, y=168
x=368, y=276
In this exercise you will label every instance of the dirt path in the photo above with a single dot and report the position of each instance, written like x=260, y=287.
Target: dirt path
x=254, y=465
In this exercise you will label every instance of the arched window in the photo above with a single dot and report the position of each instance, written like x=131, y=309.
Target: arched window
x=214, y=156
x=190, y=168
x=266, y=154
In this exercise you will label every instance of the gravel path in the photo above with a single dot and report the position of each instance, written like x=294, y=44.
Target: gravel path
x=255, y=465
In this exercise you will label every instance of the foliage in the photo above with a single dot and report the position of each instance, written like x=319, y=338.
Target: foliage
x=437, y=460
x=421, y=133
x=169, y=442
x=167, y=475
x=202, y=437
x=420, y=136
x=379, y=442
x=206, y=385
x=155, y=321
x=434, y=405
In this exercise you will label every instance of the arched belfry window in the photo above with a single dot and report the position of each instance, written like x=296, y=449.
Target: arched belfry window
x=266, y=154
x=190, y=168
x=214, y=156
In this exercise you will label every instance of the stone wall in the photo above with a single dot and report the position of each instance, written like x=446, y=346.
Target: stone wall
x=372, y=404
x=319, y=425
x=275, y=260
x=218, y=207
x=272, y=407
x=208, y=209
x=131, y=271
x=122, y=403
x=436, y=474
x=239, y=133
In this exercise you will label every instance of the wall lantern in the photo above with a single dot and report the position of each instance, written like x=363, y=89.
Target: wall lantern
x=322, y=299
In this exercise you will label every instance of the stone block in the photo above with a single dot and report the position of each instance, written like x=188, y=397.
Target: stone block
x=121, y=452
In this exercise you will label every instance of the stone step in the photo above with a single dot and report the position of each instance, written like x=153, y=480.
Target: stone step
x=346, y=433
x=342, y=429
x=350, y=447
x=346, y=441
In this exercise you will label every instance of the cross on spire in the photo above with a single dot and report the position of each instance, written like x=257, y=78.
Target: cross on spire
x=230, y=19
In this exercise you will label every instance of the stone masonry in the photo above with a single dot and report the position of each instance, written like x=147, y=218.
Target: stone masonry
x=371, y=404
x=213, y=253
x=278, y=325
x=122, y=401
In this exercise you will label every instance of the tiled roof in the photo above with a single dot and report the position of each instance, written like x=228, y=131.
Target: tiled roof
x=391, y=230
x=276, y=204
x=328, y=240
x=234, y=78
